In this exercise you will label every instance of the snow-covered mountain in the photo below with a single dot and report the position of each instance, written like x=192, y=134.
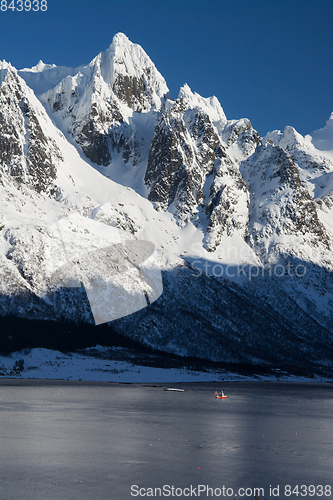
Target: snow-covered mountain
x=96, y=159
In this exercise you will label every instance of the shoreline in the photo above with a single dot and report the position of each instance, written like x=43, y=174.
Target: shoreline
x=18, y=381
x=46, y=364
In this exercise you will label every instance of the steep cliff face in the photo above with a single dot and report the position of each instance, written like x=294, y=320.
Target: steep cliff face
x=181, y=156
x=242, y=226
x=227, y=205
x=27, y=155
x=190, y=172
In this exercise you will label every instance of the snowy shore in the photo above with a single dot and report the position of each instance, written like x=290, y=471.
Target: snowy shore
x=54, y=365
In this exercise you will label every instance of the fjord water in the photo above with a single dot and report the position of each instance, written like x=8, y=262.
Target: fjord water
x=92, y=441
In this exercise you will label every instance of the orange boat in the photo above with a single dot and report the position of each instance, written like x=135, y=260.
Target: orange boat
x=220, y=395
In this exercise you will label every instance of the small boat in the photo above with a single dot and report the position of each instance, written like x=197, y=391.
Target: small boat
x=176, y=390
x=220, y=395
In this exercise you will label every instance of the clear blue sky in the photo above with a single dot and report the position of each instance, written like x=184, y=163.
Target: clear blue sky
x=269, y=61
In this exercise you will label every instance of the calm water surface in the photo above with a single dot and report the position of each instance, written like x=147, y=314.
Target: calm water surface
x=92, y=441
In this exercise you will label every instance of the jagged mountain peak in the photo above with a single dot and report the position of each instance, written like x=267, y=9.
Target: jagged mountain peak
x=287, y=139
x=129, y=72
x=273, y=137
x=40, y=66
x=210, y=105
x=321, y=139
x=4, y=64
x=120, y=39
x=11, y=81
x=6, y=67
x=96, y=102
x=123, y=69
x=290, y=135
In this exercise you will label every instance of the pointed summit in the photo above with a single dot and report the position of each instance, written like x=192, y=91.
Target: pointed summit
x=40, y=66
x=130, y=72
x=5, y=67
x=120, y=39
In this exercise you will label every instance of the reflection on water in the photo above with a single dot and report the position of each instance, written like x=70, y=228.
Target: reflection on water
x=61, y=440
